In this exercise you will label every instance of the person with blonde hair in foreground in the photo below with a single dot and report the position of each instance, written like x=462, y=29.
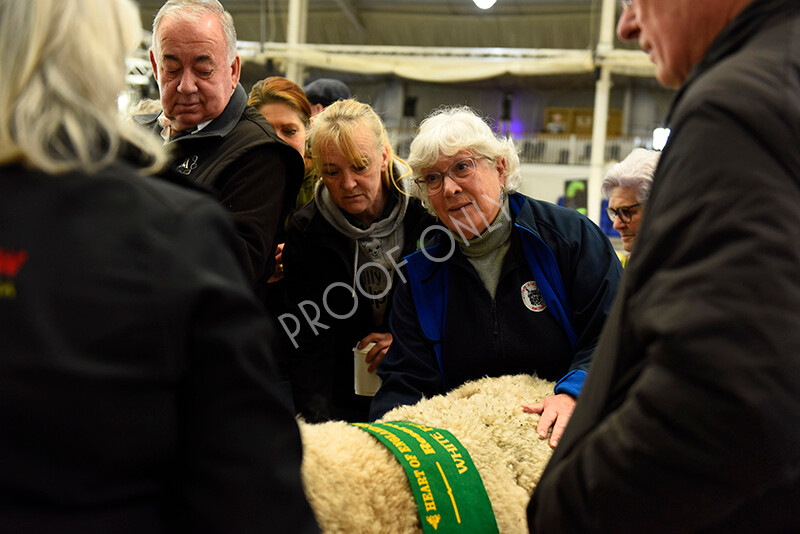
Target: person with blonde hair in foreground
x=137, y=386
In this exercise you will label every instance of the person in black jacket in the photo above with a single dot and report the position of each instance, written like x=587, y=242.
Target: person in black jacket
x=137, y=388
x=217, y=140
x=513, y=285
x=340, y=260
x=690, y=418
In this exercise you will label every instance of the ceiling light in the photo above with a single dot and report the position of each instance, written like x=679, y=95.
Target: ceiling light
x=484, y=4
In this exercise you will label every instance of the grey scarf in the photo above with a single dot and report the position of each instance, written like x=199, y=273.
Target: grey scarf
x=381, y=243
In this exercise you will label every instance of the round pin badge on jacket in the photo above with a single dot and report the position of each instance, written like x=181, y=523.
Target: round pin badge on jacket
x=532, y=297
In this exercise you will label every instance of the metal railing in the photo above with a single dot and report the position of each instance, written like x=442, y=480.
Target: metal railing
x=571, y=149
x=550, y=149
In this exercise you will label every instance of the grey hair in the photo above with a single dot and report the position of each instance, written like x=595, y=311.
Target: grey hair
x=193, y=10
x=635, y=171
x=63, y=66
x=449, y=130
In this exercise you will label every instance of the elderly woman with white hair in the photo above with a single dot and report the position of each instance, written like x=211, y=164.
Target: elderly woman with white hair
x=511, y=285
x=627, y=188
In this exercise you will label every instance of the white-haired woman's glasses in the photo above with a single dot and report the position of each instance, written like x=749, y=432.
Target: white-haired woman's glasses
x=624, y=4
x=460, y=171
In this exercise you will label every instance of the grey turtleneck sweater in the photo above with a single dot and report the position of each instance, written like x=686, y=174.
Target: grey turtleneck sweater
x=487, y=251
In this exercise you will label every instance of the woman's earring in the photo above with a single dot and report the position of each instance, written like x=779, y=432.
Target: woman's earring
x=502, y=192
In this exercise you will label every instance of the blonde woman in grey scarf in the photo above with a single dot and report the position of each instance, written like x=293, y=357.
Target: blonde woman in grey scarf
x=341, y=260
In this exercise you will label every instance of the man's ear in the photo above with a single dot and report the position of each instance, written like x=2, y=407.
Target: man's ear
x=236, y=71
x=154, y=64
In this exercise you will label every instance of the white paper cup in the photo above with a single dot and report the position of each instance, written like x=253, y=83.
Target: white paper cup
x=366, y=383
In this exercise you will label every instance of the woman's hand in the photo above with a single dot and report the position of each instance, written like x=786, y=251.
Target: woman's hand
x=277, y=274
x=554, y=412
x=382, y=341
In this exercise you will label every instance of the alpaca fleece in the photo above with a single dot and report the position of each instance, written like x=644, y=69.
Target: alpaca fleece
x=355, y=484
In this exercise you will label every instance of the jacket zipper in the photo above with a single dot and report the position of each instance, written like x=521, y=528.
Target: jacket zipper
x=495, y=321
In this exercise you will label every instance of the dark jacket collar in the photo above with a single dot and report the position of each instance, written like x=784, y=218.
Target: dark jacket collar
x=219, y=127
x=522, y=213
x=735, y=35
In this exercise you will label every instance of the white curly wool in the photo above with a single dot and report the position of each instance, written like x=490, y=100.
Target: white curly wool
x=355, y=484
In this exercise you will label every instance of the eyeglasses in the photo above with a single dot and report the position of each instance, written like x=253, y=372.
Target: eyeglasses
x=624, y=4
x=623, y=212
x=460, y=171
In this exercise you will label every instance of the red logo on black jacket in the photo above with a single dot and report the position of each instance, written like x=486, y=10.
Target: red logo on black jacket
x=10, y=264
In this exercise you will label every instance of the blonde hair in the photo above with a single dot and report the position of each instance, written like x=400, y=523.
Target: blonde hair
x=338, y=123
x=449, y=130
x=63, y=66
x=145, y=106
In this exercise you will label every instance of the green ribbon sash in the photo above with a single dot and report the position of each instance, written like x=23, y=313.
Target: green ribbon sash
x=446, y=485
